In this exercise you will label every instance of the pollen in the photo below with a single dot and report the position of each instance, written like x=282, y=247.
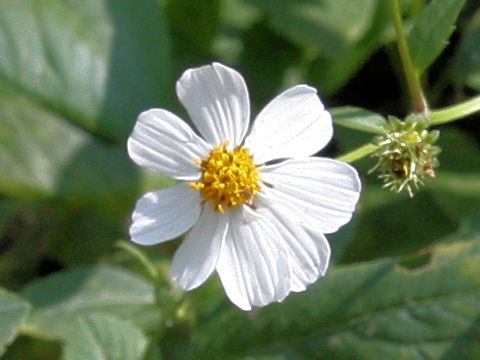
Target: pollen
x=229, y=177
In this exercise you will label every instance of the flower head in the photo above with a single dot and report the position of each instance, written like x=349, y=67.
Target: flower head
x=257, y=205
x=406, y=154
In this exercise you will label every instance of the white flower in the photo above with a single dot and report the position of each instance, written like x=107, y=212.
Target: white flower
x=258, y=224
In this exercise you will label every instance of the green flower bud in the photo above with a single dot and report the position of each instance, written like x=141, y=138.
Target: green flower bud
x=406, y=154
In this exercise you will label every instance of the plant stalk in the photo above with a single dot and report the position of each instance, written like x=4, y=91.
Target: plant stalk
x=411, y=73
x=455, y=112
x=359, y=153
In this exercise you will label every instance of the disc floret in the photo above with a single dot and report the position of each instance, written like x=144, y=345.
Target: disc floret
x=229, y=177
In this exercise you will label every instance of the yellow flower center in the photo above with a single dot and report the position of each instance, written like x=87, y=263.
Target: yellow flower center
x=229, y=177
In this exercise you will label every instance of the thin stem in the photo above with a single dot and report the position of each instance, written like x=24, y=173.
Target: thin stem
x=140, y=256
x=358, y=154
x=455, y=112
x=411, y=74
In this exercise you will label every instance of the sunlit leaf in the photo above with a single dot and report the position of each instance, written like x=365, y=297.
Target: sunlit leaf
x=74, y=74
x=96, y=63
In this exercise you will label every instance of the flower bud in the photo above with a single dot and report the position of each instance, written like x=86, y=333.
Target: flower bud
x=406, y=154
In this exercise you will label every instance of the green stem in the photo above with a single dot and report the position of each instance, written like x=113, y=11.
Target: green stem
x=455, y=112
x=411, y=74
x=358, y=154
x=141, y=257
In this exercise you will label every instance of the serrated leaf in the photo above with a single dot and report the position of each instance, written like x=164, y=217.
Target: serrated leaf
x=61, y=298
x=359, y=119
x=466, y=64
x=373, y=310
x=102, y=337
x=431, y=31
x=13, y=312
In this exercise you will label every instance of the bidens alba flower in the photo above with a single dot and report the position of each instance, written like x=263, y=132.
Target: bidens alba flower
x=257, y=204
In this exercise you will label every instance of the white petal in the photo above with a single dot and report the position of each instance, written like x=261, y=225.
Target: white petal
x=164, y=214
x=197, y=256
x=294, y=124
x=216, y=98
x=324, y=191
x=164, y=143
x=308, y=252
x=252, y=269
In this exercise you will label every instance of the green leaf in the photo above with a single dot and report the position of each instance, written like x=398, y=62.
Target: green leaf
x=81, y=236
x=93, y=62
x=460, y=151
x=359, y=119
x=431, y=31
x=153, y=352
x=332, y=26
x=435, y=211
x=394, y=224
x=466, y=67
x=373, y=310
x=61, y=298
x=48, y=157
x=13, y=312
x=74, y=74
x=457, y=194
x=193, y=26
x=102, y=337
x=263, y=44
x=333, y=72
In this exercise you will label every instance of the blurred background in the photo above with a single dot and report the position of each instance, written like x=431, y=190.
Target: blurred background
x=75, y=74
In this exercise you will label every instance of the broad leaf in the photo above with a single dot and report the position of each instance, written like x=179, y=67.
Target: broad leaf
x=359, y=119
x=97, y=63
x=48, y=157
x=431, y=31
x=102, y=337
x=13, y=312
x=374, y=310
x=74, y=74
x=60, y=299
